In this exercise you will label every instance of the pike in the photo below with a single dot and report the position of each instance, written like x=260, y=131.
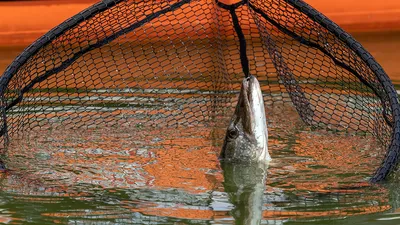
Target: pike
x=246, y=138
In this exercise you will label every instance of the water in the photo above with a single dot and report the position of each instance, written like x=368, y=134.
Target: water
x=140, y=175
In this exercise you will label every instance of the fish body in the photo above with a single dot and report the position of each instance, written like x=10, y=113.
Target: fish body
x=246, y=137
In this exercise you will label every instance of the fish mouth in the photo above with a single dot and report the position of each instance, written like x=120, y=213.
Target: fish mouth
x=251, y=110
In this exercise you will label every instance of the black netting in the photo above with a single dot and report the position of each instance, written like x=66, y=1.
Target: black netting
x=180, y=63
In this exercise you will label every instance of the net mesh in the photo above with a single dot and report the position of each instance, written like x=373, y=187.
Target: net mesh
x=173, y=63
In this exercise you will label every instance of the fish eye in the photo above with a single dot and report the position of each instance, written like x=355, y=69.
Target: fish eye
x=233, y=133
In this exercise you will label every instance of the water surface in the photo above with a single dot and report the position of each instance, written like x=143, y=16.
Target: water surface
x=139, y=175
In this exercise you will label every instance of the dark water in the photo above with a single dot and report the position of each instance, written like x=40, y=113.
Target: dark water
x=143, y=175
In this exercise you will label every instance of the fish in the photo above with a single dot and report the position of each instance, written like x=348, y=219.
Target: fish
x=246, y=138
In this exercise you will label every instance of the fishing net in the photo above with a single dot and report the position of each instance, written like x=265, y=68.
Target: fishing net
x=180, y=63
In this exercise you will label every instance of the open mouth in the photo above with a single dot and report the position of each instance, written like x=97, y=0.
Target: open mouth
x=251, y=104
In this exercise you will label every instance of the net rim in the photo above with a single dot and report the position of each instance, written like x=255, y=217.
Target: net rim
x=52, y=34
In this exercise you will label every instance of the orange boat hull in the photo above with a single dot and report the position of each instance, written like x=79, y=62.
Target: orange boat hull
x=23, y=22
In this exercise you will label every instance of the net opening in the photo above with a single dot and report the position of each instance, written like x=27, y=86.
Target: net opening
x=181, y=62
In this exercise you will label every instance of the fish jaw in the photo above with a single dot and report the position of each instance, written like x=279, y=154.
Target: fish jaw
x=259, y=124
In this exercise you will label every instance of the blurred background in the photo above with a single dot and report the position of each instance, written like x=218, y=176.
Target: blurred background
x=376, y=24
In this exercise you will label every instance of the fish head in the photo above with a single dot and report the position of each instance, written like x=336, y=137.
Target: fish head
x=246, y=137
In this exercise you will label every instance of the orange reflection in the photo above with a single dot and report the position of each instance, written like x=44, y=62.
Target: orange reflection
x=125, y=156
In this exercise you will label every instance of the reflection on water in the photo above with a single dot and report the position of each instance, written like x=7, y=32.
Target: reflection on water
x=141, y=175
x=245, y=186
